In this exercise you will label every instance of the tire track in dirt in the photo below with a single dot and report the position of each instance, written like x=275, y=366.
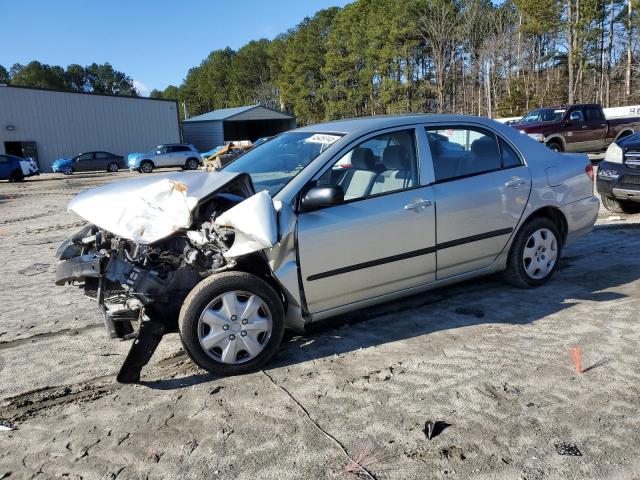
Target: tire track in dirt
x=30, y=404
x=46, y=335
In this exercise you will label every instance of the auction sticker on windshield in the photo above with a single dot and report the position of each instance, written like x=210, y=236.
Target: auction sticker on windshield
x=322, y=138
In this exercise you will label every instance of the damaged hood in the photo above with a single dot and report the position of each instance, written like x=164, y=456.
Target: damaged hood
x=149, y=208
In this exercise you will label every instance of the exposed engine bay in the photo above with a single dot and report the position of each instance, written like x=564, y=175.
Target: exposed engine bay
x=134, y=276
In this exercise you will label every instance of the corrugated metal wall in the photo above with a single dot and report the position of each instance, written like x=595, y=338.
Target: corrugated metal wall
x=65, y=124
x=203, y=135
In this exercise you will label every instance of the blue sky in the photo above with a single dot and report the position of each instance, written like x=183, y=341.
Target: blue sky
x=154, y=42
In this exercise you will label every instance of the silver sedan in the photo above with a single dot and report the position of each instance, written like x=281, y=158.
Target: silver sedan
x=346, y=215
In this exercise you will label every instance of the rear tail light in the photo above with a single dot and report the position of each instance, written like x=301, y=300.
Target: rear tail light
x=589, y=171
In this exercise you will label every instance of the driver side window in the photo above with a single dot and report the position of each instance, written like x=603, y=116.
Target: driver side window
x=379, y=165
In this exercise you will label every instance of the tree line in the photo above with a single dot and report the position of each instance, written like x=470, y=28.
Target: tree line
x=453, y=56
x=92, y=78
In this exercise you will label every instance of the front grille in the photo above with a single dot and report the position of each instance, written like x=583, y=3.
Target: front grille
x=630, y=179
x=632, y=158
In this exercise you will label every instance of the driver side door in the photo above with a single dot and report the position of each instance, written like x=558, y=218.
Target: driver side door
x=381, y=239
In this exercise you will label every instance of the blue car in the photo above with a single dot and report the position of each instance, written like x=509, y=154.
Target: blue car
x=16, y=169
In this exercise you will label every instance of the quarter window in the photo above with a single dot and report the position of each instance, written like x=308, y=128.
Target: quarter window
x=382, y=164
x=509, y=156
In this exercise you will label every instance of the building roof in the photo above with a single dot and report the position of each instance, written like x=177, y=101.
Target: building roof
x=249, y=112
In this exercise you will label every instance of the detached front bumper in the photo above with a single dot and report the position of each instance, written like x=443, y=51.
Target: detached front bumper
x=77, y=269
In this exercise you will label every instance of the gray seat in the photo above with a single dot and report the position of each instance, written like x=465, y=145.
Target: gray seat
x=357, y=182
x=484, y=157
x=398, y=175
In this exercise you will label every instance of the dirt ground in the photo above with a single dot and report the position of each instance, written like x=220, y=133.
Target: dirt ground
x=492, y=362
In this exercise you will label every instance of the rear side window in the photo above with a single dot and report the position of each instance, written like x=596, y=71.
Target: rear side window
x=102, y=155
x=592, y=114
x=180, y=148
x=462, y=152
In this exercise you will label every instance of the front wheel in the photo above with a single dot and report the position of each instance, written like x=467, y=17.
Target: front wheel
x=534, y=254
x=192, y=164
x=232, y=323
x=16, y=176
x=617, y=206
x=146, y=167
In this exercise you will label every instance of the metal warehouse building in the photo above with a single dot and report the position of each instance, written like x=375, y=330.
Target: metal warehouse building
x=228, y=124
x=48, y=125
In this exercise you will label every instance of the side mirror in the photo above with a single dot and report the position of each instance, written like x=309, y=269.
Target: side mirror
x=319, y=197
x=566, y=123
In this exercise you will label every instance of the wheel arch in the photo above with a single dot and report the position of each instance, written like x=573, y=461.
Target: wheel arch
x=257, y=264
x=624, y=133
x=552, y=213
x=556, y=139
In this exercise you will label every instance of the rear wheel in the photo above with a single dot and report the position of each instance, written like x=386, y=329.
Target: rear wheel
x=534, y=254
x=146, y=167
x=231, y=323
x=192, y=164
x=619, y=206
x=113, y=167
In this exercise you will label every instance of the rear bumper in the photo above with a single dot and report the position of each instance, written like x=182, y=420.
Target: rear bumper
x=581, y=217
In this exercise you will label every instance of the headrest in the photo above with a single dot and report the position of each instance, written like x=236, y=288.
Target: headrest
x=396, y=157
x=485, y=147
x=363, y=159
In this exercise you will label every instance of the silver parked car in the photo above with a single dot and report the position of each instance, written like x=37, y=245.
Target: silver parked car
x=169, y=155
x=347, y=214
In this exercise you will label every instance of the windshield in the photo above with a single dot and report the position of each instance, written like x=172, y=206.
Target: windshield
x=543, y=115
x=274, y=163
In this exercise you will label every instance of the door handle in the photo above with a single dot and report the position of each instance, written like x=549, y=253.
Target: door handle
x=516, y=183
x=418, y=205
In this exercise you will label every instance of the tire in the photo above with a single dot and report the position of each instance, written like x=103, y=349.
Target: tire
x=555, y=146
x=16, y=176
x=239, y=289
x=113, y=167
x=67, y=171
x=618, y=206
x=527, y=249
x=192, y=164
x=146, y=166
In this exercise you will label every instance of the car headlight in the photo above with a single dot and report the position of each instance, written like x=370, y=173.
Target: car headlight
x=536, y=136
x=614, y=154
x=608, y=174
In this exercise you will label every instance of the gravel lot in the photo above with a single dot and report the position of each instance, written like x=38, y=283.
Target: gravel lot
x=493, y=362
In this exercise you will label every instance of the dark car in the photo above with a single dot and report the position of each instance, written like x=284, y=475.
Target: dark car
x=618, y=181
x=15, y=169
x=89, y=162
x=575, y=128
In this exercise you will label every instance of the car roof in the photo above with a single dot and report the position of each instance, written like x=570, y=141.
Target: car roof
x=379, y=122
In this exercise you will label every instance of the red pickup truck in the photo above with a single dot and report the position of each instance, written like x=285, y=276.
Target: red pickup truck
x=575, y=128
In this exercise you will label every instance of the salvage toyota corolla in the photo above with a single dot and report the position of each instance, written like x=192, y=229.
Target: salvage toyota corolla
x=316, y=222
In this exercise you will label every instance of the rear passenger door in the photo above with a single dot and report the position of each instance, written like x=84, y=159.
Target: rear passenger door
x=382, y=238
x=596, y=128
x=481, y=189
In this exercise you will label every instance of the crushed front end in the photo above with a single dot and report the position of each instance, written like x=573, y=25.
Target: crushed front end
x=136, y=279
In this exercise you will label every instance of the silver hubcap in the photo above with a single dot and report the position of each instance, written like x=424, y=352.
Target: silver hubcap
x=113, y=167
x=235, y=327
x=146, y=168
x=540, y=253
